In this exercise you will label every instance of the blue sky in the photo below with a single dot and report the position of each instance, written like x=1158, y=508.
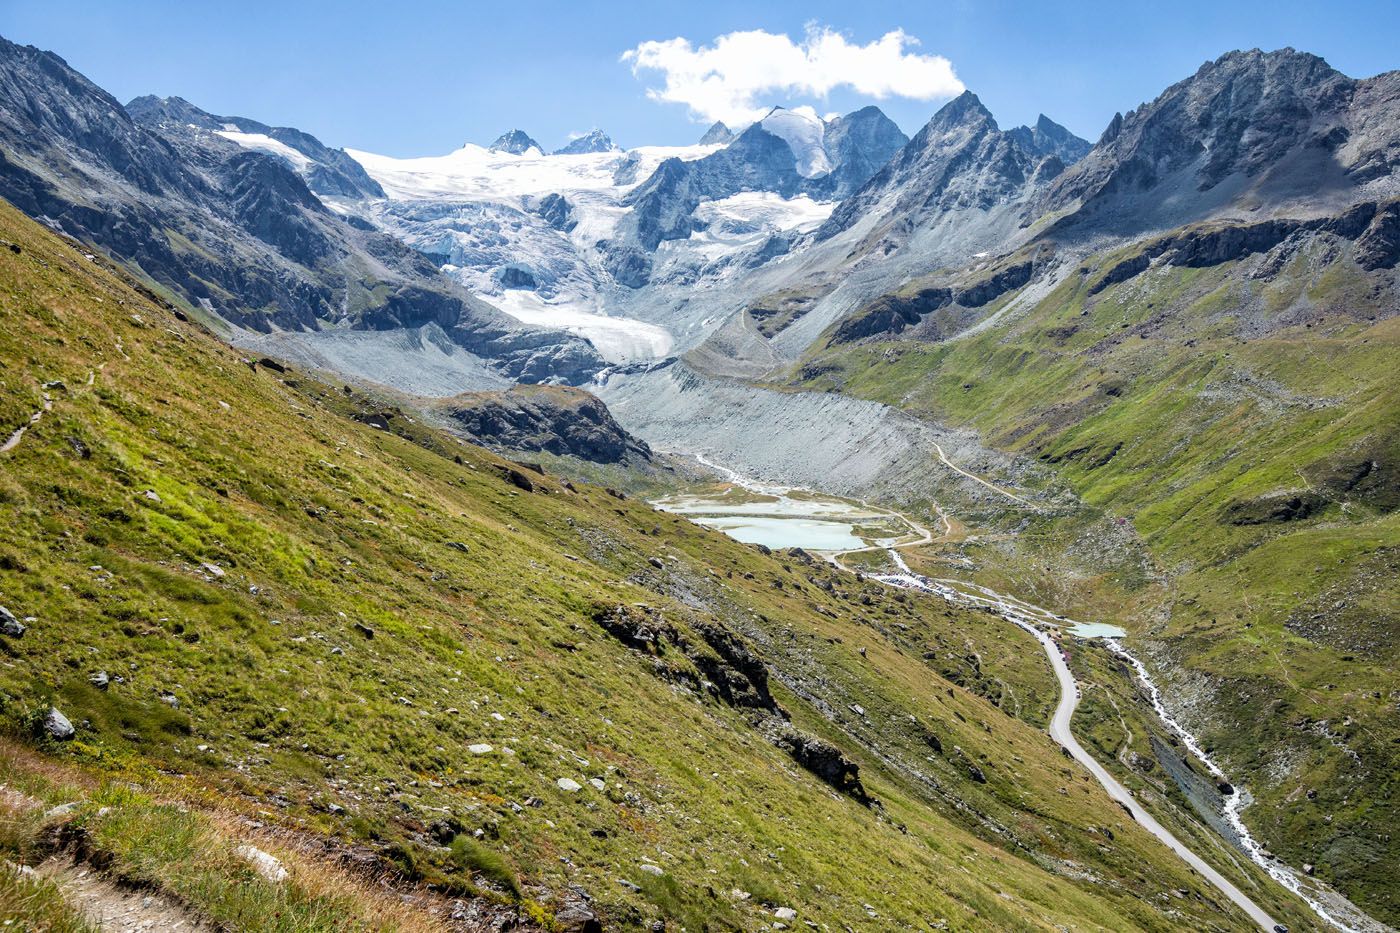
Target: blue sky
x=418, y=78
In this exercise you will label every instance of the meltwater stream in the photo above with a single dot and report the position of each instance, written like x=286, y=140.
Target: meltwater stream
x=832, y=526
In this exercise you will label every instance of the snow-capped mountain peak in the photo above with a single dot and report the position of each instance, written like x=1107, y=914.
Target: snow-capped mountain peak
x=805, y=133
x=516, y=142
x=590, y=142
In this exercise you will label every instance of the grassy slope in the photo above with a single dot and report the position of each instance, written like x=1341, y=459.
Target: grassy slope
x=1164, y=400
x=319, y=523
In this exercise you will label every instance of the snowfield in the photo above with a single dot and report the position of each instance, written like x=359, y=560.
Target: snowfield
x=478, y=174
x=481, y=212
x=805, y=134
x=265, y=143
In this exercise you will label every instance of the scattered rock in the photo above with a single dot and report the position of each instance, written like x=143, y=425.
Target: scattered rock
x=56, y=726
x=364, y=630
x=100, y=680
x=9, y=625
x=656, y=562
x=60, y=811
x=785, y=913
x=517, y=479
x=568, y=785
x=214, y=570
x=480, y=748
x=456, y=546
x=651, y=869
x=270, y=867
x=576, y=917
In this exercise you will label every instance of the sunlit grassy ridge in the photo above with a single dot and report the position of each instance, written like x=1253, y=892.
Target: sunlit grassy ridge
x=1189, y=403
x=328, y=625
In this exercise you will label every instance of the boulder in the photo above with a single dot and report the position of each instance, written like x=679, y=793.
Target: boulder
x=576, y=918
x=9, y=625
x=269, y=866
x=56, y=726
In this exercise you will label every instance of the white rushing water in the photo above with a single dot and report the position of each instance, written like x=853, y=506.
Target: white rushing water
x=782, y=519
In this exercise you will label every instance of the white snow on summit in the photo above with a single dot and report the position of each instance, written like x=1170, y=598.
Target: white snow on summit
x=805, y=133
x=475, y=173
x=265, y=143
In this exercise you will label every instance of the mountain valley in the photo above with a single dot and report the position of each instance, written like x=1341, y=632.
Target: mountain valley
x=388, y=517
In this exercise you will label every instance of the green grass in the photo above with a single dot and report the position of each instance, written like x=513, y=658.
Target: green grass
x=1163, y=402
x=257, y=689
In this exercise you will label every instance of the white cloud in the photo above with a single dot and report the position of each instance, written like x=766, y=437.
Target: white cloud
x=729, y=79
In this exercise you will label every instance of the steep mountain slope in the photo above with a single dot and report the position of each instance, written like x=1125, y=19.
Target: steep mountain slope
x=233, y=230
x=1282, y=132
x=788, y=152
x=1221, y=389
x=493, y=683
x=326, y=171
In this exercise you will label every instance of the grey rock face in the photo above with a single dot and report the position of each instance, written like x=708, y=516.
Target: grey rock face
x=959, y=160
x=717, y=134
x=558, y=420
x=859, y=145
x=9, y=625
x=331, y=171
x=1049, y=138
x=757, y=160
x=1283, y=125
x=56, y=726
x=516, y=142
x=592, y=141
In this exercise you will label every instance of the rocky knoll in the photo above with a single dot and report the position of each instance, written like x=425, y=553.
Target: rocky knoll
x=553, y=419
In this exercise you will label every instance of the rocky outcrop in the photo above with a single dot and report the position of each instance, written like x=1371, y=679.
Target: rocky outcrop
x=891, y=314
x=553, y=419
x=1375, y=228
x=722, y=665
x=10, y=626
x=1275, y=509
x=590, y=142
x=515, y=142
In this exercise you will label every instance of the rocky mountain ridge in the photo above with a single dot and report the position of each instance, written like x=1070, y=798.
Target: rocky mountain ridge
x=232, y=230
